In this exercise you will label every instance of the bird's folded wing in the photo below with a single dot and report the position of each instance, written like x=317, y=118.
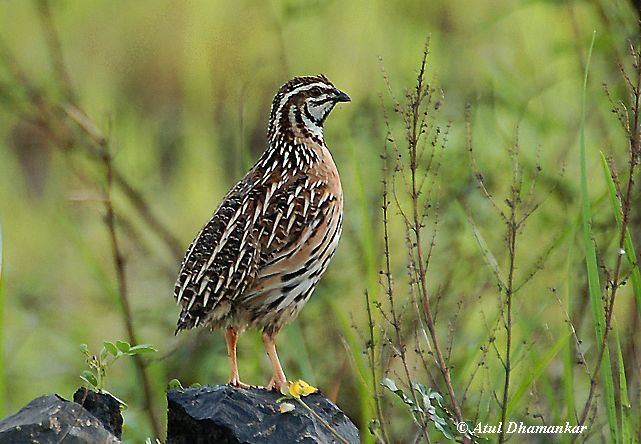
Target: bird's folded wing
x=222, y=261
x=295, y=215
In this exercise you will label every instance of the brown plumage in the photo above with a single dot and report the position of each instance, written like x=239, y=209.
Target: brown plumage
x=257, y=261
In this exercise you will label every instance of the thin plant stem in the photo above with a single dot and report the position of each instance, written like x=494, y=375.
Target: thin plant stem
x=512, y=236
x=395, y=320
x=615, y=281
x=417, y=226
x=372, y=358
x=123, y=292
x=322, y=421
x=417, y=122
x=55, y=51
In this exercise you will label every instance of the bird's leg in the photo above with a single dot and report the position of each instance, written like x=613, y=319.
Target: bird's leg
x=278, y=379
x=231, y=337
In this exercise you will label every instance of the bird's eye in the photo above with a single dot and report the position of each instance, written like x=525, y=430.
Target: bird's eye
x=316, y=90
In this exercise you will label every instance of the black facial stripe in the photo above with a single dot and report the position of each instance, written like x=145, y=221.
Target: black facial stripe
x=298, y=114
x=309, y=116
x=321, y=102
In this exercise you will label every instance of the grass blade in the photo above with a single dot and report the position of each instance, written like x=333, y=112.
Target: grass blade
x=630, y=253
x=625, y=407
x=2, y=367
x=536, y=372
x=568, y=367
x=594, y=284
x=624, y=402
x=489, y=258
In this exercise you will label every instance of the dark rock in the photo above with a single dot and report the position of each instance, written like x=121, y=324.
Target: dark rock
x=52, y=420
x=225, y=415
x=103, y=406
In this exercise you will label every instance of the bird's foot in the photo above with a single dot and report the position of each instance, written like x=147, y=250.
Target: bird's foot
x=236, y=383
x=277, y=384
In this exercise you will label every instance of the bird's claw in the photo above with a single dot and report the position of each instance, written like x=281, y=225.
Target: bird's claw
x=238, y=384
x=276, y=384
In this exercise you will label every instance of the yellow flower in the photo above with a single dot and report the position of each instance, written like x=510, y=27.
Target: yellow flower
x=301, y=388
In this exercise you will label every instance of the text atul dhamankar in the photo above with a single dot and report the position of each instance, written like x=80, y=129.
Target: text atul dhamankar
x=522, y=428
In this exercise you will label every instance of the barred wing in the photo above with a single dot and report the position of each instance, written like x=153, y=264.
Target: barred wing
x=294, y=215
x=221, y=262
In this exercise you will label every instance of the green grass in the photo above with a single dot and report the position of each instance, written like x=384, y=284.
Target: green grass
x=630, y=253
x=594, y=285
x=534, y=373
x=569, y=356
x=3, y=385
x=627, y=426
x=625, y=419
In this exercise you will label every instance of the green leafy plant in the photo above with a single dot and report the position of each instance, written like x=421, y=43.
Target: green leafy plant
x=111, y=352
x=174, y=384
x=429, y=407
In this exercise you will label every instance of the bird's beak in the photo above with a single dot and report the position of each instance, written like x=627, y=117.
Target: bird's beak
x=340, y=96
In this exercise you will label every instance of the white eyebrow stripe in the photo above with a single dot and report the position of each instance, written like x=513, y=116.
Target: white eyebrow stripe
x=299, y=89
x=322, y=98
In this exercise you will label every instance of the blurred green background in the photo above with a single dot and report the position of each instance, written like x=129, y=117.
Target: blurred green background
x=184, y=89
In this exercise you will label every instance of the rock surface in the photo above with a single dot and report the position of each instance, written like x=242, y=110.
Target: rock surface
x=225, y=415
x=52, y=419
x=103, y=406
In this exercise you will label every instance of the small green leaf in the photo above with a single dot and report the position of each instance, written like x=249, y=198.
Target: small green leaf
x=89, y=384
x=111, y=348
x=123, y=346
x=142, y=348
x=196, y=384
x=434, y=411
x=391, y=386
x=85, y=351
x=174, y=384
x=89, y=378
x=103, y=354
x=442, y=428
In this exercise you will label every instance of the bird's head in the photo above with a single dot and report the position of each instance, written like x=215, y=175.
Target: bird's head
x=304, y=103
